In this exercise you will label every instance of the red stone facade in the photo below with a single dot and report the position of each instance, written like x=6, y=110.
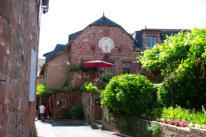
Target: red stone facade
x=57, y=71
x=85, y=46
x=19, y=33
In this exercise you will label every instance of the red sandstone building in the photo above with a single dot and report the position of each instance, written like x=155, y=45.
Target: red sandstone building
x=19, y=39
x=102, y=40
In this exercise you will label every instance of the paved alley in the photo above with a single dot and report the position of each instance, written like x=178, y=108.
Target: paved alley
x=54, y=129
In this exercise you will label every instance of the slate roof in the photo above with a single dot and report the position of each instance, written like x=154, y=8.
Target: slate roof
x=163, y=33
x=58, y=49
x=40, y=65
x=139, y=41
x=103, y=21
x=72, y=36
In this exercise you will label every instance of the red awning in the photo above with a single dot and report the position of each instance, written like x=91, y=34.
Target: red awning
x=98, y=64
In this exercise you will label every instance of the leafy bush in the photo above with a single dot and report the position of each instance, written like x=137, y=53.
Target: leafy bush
x=130, y=94
x=91, y=88
x=127, y=126
x=106, y=77
x=64, y=83
x=80, y=67
x=189, y=115
x=77, y=112
x=83, y=87
x=67, y=113
x=153, y=130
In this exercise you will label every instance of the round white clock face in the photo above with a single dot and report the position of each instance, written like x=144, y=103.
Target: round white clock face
x=106, y=44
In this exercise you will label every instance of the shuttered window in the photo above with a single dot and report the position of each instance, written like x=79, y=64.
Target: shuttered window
x=32, y=81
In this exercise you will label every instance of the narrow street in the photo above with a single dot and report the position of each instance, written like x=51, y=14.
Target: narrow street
x=57, y=129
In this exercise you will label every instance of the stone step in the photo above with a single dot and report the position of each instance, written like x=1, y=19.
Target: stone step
x=97, y=126
x=98, y=122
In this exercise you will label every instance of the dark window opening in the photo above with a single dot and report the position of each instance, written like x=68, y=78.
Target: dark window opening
x=126, y=70
x=97, y=102
x=92, y=48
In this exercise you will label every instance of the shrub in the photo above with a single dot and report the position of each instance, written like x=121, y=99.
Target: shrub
x=77, y=112
x=106, y=77
x=127, y=126
x=83, y=87
x=67, y=113
x=91, y=88
x=153, y=130
x=129, y=94
x=64, y=83
x=181, y=92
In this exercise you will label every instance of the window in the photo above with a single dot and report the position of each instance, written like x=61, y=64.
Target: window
x=90, y=101
x=61, y=103
x=97, y=102
x=126, y=70
x=151, y=41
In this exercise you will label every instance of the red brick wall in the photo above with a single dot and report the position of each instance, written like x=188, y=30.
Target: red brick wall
x=81, y=47
x=57, y=70
x=19, y=33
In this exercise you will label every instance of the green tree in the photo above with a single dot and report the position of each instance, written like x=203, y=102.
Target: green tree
x=42, y=90
x=182, y=61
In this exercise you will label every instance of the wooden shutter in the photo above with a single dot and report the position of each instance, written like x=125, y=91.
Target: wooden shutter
x=32, y=84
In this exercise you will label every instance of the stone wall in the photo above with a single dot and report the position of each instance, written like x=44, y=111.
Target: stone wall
x=19, y=33
x=137, y=127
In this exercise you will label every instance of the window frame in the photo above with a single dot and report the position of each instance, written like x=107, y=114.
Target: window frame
x=151, y=41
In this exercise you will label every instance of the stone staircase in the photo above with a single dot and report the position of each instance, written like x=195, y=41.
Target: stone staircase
x=97, y=124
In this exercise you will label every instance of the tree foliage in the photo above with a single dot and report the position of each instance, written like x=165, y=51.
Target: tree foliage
x=129, y=94
x=180, y=54
x=42, y=90
x=182, y=61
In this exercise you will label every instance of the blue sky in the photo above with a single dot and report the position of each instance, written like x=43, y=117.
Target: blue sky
x=68, y=16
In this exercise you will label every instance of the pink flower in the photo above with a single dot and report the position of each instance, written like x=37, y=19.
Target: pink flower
x=183, y=123
x=172, y=122
x=151, y=118
x=165, y=120
x=177, y=122
x=96, y=79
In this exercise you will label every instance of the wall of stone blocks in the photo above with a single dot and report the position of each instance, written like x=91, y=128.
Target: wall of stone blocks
x=19, y=33
x=137, y=127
